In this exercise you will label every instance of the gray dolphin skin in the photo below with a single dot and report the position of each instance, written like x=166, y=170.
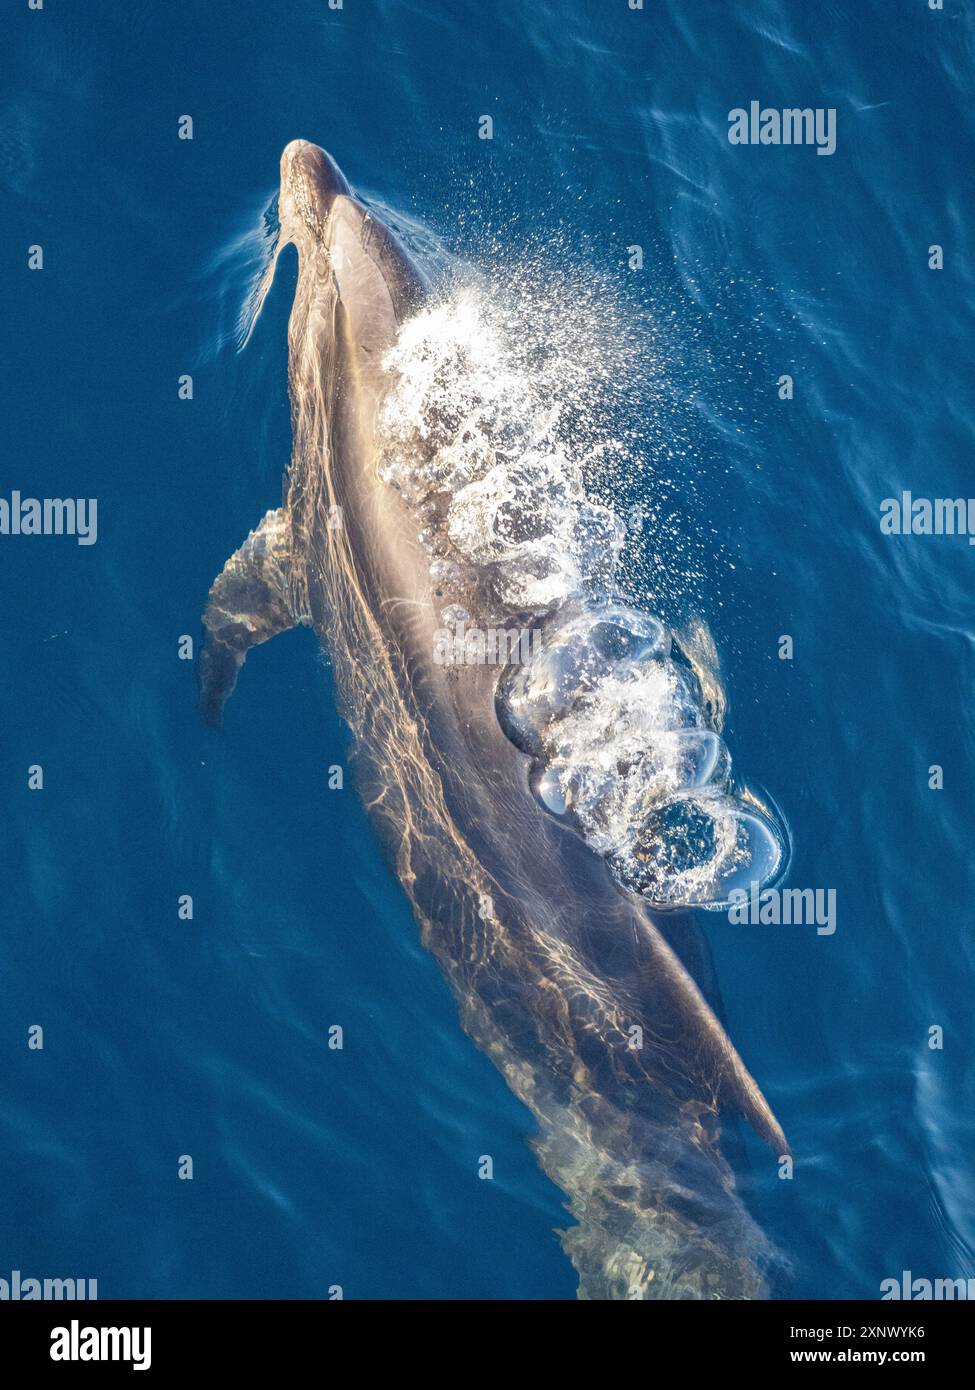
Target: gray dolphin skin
x=553, y=965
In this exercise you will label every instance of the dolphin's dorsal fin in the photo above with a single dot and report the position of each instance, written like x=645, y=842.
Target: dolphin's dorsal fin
x=254, y=597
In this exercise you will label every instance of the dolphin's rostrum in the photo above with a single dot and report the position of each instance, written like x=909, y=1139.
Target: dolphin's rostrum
x=561, y=975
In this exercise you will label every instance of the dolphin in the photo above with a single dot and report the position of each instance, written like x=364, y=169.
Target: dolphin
x=556, y=970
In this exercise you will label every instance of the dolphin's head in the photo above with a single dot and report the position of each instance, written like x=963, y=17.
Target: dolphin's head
x=345, y=252
x=310, y=182
x=355, y=287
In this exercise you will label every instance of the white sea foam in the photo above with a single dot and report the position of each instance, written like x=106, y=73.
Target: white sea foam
x=489, y=429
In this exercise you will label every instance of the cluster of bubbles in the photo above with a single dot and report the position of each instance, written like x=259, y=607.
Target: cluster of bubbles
x=612, y=717
x=489, y=430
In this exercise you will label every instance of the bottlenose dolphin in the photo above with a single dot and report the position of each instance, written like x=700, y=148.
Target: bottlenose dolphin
x=562, y=978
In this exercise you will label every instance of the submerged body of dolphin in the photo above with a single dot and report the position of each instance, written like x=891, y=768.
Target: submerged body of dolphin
x=561, y=977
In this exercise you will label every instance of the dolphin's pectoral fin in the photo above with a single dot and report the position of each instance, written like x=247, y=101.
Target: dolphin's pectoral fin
x=254, y=597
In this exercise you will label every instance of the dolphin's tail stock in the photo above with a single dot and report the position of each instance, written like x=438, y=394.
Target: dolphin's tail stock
x=649, y=1223
x=630, y=1120
x=630, y=1134
x=657, y=1210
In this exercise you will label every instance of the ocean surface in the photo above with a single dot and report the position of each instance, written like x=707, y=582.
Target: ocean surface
x=208, y=1037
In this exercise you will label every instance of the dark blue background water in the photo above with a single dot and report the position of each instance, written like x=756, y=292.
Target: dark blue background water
x=162, y=1037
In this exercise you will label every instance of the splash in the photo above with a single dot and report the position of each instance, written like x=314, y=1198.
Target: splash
x=477, y=439
x=500, y=410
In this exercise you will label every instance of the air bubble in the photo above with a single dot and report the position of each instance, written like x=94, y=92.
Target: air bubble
x=694, y=851
x=454, y=615
x=579, y=652
x=547, y=786
x=699, y=757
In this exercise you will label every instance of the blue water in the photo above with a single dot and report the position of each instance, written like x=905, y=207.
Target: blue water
x=207, y=1038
